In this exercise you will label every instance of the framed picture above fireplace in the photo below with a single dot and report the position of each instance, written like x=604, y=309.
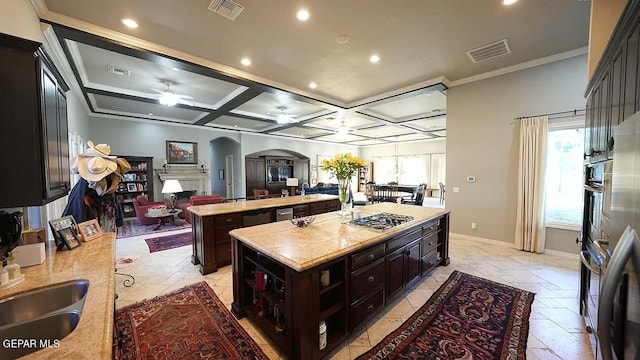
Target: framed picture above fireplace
x=182, y=152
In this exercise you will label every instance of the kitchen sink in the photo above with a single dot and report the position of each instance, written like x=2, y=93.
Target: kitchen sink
x=43, y=332
x=32, y=304
x=40, y=318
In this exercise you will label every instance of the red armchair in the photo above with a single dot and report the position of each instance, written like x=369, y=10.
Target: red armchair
x=142, y=205
x=199, y=200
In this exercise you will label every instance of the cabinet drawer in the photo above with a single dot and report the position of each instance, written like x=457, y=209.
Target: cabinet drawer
x=366, y=279
x=367, y=256
x=225, y=219
x=301, y=210
x=430, y=227
x=317, y=207
x=429, y=243
x=430, y=261
x=403, y=240
x=333, y=205
x=365, y=309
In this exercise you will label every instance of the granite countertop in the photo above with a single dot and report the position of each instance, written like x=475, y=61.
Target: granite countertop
x=95, y=261
x=327, y=237
x=241, y=206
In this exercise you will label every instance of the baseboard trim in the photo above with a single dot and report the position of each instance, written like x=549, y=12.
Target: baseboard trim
x=511, y=245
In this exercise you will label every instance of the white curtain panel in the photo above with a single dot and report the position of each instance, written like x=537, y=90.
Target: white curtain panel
x=530, y=228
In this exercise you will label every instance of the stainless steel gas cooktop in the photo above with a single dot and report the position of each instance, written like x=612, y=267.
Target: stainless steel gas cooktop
x=382, y=221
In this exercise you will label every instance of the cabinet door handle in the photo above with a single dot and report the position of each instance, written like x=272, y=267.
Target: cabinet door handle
x=371, y=279
x=430, y=243
x=370, y=308
x=370, y=256
x=228, y=220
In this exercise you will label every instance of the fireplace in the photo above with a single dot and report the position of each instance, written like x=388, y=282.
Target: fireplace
x=183, y=197
x=194, y=180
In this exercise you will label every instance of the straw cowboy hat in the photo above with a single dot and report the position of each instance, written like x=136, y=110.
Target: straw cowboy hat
x=93, y=168
x=101, y=150
x=96, y=163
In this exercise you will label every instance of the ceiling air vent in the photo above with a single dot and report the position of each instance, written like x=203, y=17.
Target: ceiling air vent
x=490, y=51
x=226, y=8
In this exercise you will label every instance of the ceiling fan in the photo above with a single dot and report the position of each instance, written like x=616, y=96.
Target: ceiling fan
x=284, y=118
x=169, y=98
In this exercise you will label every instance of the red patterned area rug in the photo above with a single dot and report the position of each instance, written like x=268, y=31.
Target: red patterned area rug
x=168, y=242
x=190, y=323
x=468, y=317
x=134, y=228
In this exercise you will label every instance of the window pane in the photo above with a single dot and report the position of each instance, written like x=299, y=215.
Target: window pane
x=564, y=176
x=413, y=169
x=438, y=170
x=383, y=169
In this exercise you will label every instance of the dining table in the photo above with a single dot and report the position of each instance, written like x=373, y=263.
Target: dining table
x=392, y=192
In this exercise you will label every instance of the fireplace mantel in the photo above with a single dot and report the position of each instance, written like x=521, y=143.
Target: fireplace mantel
x=190, y=179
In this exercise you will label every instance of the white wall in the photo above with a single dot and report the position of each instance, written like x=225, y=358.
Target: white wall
x=18, y=18
x=482, y=140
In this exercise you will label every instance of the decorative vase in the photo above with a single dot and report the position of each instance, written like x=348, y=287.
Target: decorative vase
x=343, y=194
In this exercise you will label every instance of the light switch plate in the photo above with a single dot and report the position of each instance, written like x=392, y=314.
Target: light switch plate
x=456, y=189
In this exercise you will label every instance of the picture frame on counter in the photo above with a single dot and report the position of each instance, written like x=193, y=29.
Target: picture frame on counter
x=131, y=187
x=63, y=228
x=71, y=240
x=90, y=230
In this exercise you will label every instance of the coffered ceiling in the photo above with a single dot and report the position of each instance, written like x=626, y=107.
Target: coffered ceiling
x=184, y=47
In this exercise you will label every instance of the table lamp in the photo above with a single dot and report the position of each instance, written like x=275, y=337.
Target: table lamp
x=293, y=183
x=172, y=187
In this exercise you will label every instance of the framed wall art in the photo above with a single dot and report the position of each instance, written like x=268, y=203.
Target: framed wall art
x=181, y=152
x=90, y=230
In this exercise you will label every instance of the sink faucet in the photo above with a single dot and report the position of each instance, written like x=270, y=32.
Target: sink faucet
x=302, y=191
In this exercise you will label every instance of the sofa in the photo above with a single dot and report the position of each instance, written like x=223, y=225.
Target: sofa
x=321, y=188
x=141, y=204
x=199, y=200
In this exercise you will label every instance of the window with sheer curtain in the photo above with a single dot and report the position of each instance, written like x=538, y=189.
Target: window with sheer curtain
x=563, y=190
x=411, y=170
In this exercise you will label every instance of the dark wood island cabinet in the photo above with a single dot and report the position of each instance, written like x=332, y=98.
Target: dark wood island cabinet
x=290, y=281
x=212, y=223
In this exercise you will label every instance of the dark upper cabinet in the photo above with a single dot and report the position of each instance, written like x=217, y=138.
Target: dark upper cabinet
x=612, y=93
x=33, y=113
x=255, y=174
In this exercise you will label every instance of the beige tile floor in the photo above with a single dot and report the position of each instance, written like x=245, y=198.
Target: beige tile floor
x=556, y=329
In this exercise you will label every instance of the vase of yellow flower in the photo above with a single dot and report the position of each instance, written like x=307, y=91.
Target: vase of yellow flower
x=343, y=167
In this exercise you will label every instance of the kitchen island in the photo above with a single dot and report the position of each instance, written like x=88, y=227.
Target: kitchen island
x=94, y=261
x=211, y=224
x=290, y=281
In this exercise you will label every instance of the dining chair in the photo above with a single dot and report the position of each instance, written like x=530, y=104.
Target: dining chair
x=419, y=199
x=442, y=190
x=370, y=192
x=260, y=193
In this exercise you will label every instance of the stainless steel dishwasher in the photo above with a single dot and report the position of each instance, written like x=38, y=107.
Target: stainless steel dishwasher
x=284, y=214
x=257, y=217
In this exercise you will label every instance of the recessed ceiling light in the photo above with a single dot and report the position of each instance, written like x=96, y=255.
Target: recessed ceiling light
x=508, y=2
x=342, y=39
x=246, y=61
x=303, y=15
x=374, y=58
x=130, y=23
x=313, y=85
